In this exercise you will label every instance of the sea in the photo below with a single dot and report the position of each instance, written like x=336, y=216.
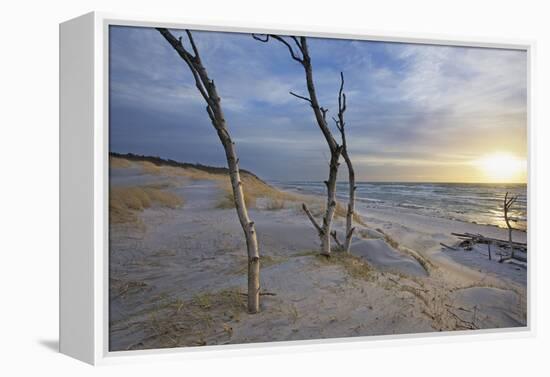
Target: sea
x=469, y=202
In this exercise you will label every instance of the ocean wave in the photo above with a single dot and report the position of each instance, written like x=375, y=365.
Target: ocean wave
x=479, y=204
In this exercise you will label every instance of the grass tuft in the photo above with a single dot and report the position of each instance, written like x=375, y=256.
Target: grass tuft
x=124, y=202
x=204, y=319
x=275, y=204
x=254, y=189
x=354, y=266
x=306, y=253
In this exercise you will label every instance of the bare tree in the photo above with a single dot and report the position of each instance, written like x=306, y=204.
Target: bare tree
x=340, y=124
x=208, y=91
x=302, y=57
x=508, y=202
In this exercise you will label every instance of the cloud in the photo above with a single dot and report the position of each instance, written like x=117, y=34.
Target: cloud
x=408, y=104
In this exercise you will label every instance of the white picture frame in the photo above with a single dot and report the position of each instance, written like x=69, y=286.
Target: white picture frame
x=84, y=47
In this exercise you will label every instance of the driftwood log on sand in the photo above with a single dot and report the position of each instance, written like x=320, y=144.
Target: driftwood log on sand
x=507, y=248
x=447, y=246
x=478, y=238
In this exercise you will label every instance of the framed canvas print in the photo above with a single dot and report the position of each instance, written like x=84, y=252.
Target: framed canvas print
x=226, y=187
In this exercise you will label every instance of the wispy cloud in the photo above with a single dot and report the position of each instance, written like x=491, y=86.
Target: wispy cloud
x=409, y=105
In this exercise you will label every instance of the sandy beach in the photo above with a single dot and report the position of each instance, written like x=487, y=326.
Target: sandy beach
x=178, y=268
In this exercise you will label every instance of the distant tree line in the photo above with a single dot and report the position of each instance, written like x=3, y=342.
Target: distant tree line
x=159, y=161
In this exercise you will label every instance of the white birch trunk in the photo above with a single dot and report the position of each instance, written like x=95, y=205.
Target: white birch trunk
x=208, y=91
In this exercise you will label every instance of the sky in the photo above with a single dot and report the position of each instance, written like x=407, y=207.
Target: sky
x=415, y=112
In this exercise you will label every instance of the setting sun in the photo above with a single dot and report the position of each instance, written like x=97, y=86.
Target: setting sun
x=502, y=167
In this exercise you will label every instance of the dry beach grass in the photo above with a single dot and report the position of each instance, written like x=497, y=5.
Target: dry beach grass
x=124, y=202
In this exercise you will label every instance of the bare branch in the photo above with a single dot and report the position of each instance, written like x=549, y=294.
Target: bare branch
x=508, y=202
x=298, y=44
x=188, y=58
x=344, y=107
x=341, y=107
x=258, y=38
x=283, y=41
x=341, y=90
x=290, y=49
x=511, y=201
x=335, y=238
x=301, y=97
x=312, y=219
x=340, y=124
x=195, y=50
x=324, y=112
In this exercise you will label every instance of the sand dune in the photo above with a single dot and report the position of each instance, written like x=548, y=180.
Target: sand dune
x=383, y=257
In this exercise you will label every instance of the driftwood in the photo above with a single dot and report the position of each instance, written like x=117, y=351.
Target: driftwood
x=298, y=49
x=447, y=247
x=520, y=265
x=518, y=257
x=208, y=91
x=469, y=239
x=478, y=238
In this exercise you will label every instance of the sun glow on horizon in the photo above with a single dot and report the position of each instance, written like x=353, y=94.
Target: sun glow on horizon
x=502, y=167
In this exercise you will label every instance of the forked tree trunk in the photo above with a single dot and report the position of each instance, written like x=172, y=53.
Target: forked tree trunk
x=351, y=203
x=508, y=202
x=335, y=151
x=208, y=91
x=331, y=204
x=320, y=113
x=340, y=124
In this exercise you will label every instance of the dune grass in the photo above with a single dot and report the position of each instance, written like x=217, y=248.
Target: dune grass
x=117, y=162
x=356, y=267
x=123, y=288
x=342, y=211
x=207, y=318
x=125, y=202
x=173, y=171
x=150, y=168
x=275, y=204
x=255, y=189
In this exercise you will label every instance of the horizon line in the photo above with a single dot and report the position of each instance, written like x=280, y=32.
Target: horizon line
x=321, y=180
